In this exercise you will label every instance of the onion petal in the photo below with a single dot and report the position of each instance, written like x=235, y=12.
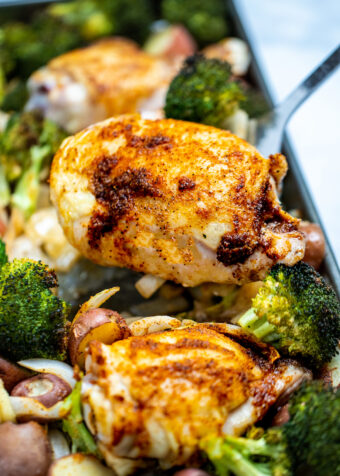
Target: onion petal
x=148, y=325
x=148, y=285
x=58, y=443
x=29, y=407
x=96, y=301
x=55, y=367
x=6, y=410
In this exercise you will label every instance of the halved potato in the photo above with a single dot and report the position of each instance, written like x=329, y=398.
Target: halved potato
x=103, y=325
x=79, y=464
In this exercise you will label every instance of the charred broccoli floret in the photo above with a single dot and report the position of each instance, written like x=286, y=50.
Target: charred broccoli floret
x=33, y=321
x=27, y=146
x=297, y=312
x=204, y=92
x=206, y=20
x=313, y=431
x=310, y=440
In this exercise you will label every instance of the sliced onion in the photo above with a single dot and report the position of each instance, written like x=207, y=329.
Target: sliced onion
x=58, y=443
x=149, y=325
x=96, y=301
x=6, y=410
x=29, y=407
x=47, y=366
x=148, y=285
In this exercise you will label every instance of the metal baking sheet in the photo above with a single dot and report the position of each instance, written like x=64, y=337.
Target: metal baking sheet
x=296, y=194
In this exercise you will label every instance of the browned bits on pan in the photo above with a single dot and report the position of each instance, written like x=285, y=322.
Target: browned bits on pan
x=117, y=195
x=185, y=183
x=234, y=248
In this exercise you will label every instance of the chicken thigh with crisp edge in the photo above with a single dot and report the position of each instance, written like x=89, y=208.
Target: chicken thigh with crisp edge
x=157, y=395
x=182, y=201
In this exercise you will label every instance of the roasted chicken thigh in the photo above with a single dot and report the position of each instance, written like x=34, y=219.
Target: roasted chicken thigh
x=113, y=76
x=157, y=395
x=182, y=201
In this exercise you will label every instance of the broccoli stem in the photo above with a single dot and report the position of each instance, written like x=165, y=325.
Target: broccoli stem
x=227, y=456
x=74, y=426
x=25, y=196
x=260, y=327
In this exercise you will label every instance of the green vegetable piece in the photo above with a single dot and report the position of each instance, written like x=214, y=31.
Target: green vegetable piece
x=313, y=431
x=3, y=254
x=33, y=321
x=267, y=456
x=206, y=21
x=204, y=92
x=298, y=313
x=73, y=425
x=27, y=146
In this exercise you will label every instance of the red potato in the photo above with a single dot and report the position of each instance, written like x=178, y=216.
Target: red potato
x=24, y=450
x=172, y=42
x=191, y=472
x=315, y=243
x=281, y=417
x=11, y=374
x=79, y=464
x=100, y=324
x=48, y=389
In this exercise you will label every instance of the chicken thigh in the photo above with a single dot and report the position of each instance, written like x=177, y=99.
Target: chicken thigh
x=113, y=76
x=182, y=201
x=156, y=396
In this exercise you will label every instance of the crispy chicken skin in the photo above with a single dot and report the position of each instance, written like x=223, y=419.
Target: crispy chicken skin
x=156, y=396
x=183, y=201
x=111, y=77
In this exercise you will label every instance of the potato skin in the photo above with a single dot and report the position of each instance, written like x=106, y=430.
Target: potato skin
x=315, y=243
x=59, y=389
x=24, y=450
x=11, y=374
x=191, y=472
x=89, y=323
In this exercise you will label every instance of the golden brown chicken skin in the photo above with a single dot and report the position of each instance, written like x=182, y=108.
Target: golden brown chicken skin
x=182, y=201
x=156, y=396
x=110, y=77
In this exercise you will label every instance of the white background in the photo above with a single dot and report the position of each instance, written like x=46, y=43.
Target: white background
x=292, y=37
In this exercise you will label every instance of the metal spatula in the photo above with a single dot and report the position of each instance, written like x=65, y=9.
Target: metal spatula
x=270, y=128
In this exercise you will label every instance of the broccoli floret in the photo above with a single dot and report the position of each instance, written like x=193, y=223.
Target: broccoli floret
x=33, y=321
x=255, y=103
x=310, y=440
x=297, y=312
x=206, y=20
x=15, y=96
x=266, y=456
x=73, y=424
x=88, y=17
x=27, y=146
x=313, y=431
x=204, y=92
x=132, y=18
